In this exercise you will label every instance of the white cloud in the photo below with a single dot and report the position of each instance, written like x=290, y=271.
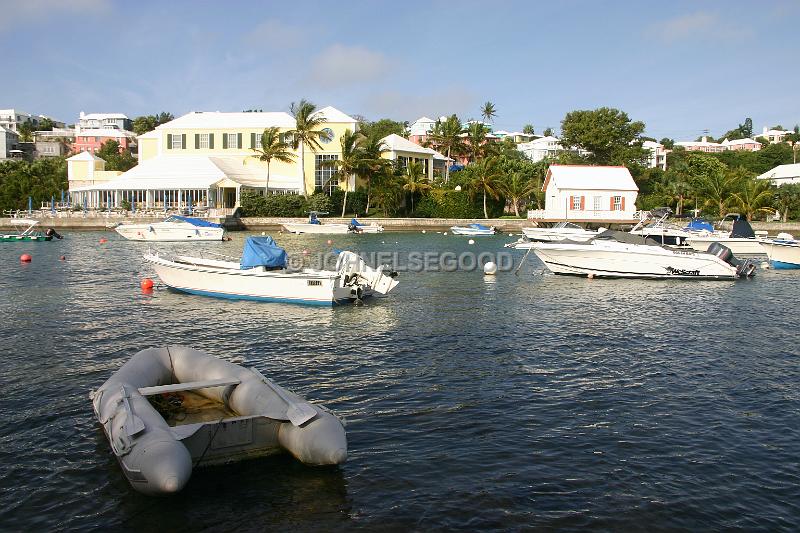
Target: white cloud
x=17, y=12
x=700, y=24
x=276, y=33
x=407, y=106
x=340, y=65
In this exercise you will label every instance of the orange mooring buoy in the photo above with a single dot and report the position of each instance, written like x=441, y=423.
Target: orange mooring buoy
x=62, y=258
x=25, y=258
x=146, y=284
x=103, y=240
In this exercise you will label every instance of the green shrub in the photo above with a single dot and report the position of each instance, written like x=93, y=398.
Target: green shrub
x=320, y=201
x=274, y=205
x=440, y=203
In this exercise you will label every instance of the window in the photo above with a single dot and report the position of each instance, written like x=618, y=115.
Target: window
x=233, y=140
x=325, y=177
x=616, y=203
x=177, y=142
x=203, y=140
x=598, y=203
x=576, y=203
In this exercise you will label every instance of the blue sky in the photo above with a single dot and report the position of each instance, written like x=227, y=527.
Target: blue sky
x=681, y=67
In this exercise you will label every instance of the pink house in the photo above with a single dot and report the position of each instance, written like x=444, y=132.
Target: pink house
x=90, y=140
x=748, y=145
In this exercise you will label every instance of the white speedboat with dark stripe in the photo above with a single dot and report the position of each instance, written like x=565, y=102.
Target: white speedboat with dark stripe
x=559, y=232
x=261, y=275
x=616, y=254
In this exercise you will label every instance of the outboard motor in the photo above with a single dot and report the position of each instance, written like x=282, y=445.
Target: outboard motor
x=53, y=233
x=744, y=268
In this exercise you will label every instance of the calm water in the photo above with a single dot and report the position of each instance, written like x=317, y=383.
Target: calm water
x=496, y=404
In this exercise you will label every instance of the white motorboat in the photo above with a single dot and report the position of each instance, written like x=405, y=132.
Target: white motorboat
x=173, y=229
x=741, y=239
x=316, y=226
x=618, y=254
x=655, y=225
x=473, y=230
x=169, y=410
x=561, y=231
x=261, y=275
x=783, y=252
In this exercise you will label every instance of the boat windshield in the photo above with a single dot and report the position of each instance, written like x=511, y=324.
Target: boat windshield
x=625, y=237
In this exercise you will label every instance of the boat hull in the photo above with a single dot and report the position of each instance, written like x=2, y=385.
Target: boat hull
x=330, y=229
x=783, y=255
x=473, y=232
x=161, y=232
x=631, y=261
x=738, y=245
x=558, y=234
x=25, y=238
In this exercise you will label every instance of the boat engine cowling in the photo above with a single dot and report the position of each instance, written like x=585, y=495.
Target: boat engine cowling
x=744, y=267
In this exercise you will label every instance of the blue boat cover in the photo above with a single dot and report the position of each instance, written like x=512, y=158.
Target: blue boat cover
x=194, y=221
x=479, y=226
x=356, y=222
x=262, y=251
x=698, y=224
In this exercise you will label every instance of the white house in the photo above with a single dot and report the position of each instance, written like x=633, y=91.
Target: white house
x=99, y=121
x=657, y=155
x=540, y=148
x=404, y=151
x=773, y=136
x=588, y=194
x=783, y=174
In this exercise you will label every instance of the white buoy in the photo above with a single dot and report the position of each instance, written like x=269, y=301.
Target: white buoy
x=445, y=233
x=263, y=233
x=423, y=231
x=471, y=241
x=765, y=265
x=490, y=268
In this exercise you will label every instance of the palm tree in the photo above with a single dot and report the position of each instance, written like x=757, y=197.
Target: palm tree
x=372, y=163
x=517, y=187
x=350, y=161
x=272, y=147
x=305, y=132
x=387, y=189
x=446, y=137
x=487, y=176
x=754, y=196
x=711, y=180
x=488, y=111
x=415, y=181
x=476, y=133
x=787, y=196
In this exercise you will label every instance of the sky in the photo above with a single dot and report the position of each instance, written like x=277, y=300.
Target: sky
x=680, y=67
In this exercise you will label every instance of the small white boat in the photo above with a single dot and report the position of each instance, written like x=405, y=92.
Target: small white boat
x=559, y=232
x=30, y=233
x=173, y=229
x=316, y=226
x=741, y=239
x=168, y=410
x=261, y=275
x=783, y=252
x=617, y=254
x=473, y=230
x=657, y=227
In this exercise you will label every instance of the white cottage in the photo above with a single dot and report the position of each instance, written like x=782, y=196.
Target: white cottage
x=588, y=194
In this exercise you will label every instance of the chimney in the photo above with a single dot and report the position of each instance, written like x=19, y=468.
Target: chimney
x=764, y=131
x=705, y=139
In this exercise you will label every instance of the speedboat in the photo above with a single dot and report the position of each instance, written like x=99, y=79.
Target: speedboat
x=315, y=225
x=655, y=225
x=617, y=254
x=262, y=275
x=783, y=251
x=473, y=230
x=168, y=410
x=741, y=239
x=30, y=233
x=559, y=232
x=173, y=229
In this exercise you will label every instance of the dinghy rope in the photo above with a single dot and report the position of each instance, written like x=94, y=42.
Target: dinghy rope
x=524, y=257
x=208, y=444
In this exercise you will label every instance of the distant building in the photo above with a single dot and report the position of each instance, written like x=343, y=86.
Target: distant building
x=53, y=143
x=419, y=129
x=13, y=118
x=100, y=121
x=703, y=145
x=748, y=145
x=782, y=174
x=517, y=136
x=656, y=155
x=774, y=136
x=541, y=148
x=588, y=193
x=90, y=140
x=9, y=143
x=403, y=152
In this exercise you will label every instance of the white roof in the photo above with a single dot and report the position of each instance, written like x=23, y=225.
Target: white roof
x=103, y=132
x=396, y=143
x=251, y=120
x=194, y=172
x=332, y=114
x=85, y=156
x=782, y=172
x=652, y=144
x=101, y=116
x=152, y=134
x=735, y=142
x=539, y=142
x=696, y=143
x=590, y=178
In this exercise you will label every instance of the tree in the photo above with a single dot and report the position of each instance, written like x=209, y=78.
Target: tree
x=478, y=143
x=387, y=189
x=46, y=124
x=711, y=179
x=372, y=163
x=548, y=132
x=528, y=129
x=415, y=181
x=349, y=162
x=272, y=147
x=446, y=137
x=517, y=187
x=381, y=128
x=305, y=132
x=787, y=197
x=667, y=143
x=143, y=124
x=26, y=131
x=488, y=111
x=115, y=156
x=486, y=181
x=610, y=137
x=753, y=196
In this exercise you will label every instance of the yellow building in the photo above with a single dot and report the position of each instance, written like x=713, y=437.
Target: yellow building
x=205, y=159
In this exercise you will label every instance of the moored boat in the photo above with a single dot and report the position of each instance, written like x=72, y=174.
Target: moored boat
x=168, y=410
x=561, y=231
x=316, y=226
x=783, y=252
x=741, y=240
x=617, y=254
x=261, y=275
x=30, y=233
x=473, y=230
x=173, y=229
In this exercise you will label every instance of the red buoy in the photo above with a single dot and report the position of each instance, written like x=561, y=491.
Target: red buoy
x=103, y=240
x=146, y=284
x=62, y=258
x=25, y=258
x=330, y=242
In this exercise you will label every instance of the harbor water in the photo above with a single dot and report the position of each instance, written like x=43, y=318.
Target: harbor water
x=508, y=402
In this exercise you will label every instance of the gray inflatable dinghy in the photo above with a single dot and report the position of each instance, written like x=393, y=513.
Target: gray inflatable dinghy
x=168, y=410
